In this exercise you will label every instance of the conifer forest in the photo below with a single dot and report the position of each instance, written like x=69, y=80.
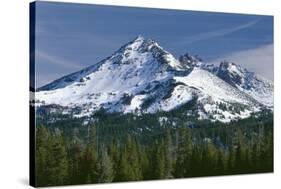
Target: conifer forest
x=126, y=147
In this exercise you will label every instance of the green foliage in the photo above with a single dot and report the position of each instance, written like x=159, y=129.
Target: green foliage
x=129, y=148
x=105, y=168
x=51, y=159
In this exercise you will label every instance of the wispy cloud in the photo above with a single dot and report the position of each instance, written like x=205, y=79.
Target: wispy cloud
x=40, y=55
x=259, y=60
x=217, y=33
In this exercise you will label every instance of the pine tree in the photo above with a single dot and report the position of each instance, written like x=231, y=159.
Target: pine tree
x=113, y=152
x=42, y=138
x=145, y=163
x=230, y=161
x=255, y=158
x=129, y=166
x=220, y=164
x=195, y=166
x=105, y=168
x=239, y=154
x=123, y=169
x=209, y=160
x=88, y=166
x=184, y=151
x=158, y=161
x=168, y=154
x=133, y=159
x=75, y=158
x=57, y=164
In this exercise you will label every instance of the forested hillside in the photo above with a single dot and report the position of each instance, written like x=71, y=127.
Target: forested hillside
x=115, y=148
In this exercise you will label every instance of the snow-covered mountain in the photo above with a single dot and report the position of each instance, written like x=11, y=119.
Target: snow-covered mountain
x=250, y=83
x=139, y=55
x=142, y=77
x=190, y=60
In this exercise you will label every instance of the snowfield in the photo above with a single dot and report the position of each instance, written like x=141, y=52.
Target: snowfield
x=213, y=86
x=143, y=77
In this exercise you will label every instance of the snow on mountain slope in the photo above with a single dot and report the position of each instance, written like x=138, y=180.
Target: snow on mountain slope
x=217, y=99
x=213, y=86
x=136, y=52
x=252, y=84
x=178, y=96
x=129, y=71
x=143, y=77
x=69, y=79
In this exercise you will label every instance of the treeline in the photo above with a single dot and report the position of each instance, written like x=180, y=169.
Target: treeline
x=174, y=153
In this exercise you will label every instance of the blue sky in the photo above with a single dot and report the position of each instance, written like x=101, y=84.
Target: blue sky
x=70, y=37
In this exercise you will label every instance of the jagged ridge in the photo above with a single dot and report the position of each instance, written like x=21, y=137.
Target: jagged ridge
x=143, y=77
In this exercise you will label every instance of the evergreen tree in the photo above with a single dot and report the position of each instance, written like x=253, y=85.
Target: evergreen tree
x=105, y=168
x=88, y=166
x=158, y=161
x=75, y=158
x=168, y=147
x=113, y=152
x=123, y=169
x=184, y=150
x=145, y=163
x=133, y=159
x=239, y=156
x=42, y=150
x=220, y=165
x=57, y=164
x=208, y=159
x=129, y=166
x=255, y=158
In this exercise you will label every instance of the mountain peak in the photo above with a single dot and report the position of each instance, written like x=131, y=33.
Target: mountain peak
x=141, y=42
x=232, y=67
x=249, y=82
x=139, y=53
x=231, y=73
x=190, y=60
x=143, y=49
x=139, y=38
x=141, y=75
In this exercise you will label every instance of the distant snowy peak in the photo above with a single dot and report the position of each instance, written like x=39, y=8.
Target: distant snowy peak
x=232, y=73
x=190, y=60
x=252, y=84
x=216, y=99
x=235, y=75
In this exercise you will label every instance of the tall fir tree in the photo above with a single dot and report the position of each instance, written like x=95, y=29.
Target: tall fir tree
x=57, y=163
x=42, y=150
x=105, y=167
